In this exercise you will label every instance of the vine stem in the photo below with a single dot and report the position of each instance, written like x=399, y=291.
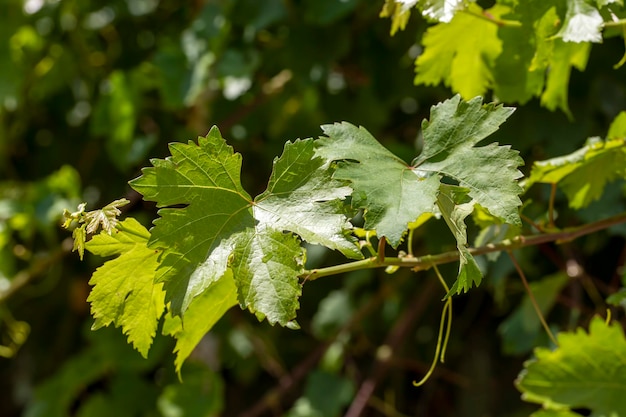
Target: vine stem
x=426, y=262
x=532, y=298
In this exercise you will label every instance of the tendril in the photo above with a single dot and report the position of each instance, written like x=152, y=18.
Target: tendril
x=442, y=341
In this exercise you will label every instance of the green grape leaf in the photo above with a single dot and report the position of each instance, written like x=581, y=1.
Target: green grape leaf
x=489, y=172
x=617, y=130
x=587, y=370
x=461, y=53
x=124, y=292
x=583, y=174
x=395, y=193
x=221, y=227
x=516, y=75
x=436, y=10
x=563, y=56
x=203, y=312
x=399, y=14
x=582, y=23
x=455, y=206
x=390, y=190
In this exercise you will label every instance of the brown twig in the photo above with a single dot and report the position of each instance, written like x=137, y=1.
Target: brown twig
x=36, y=269
x=532, y=298
x=427, y=261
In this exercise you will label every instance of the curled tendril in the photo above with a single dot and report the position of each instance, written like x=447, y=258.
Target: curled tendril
x=442, y=342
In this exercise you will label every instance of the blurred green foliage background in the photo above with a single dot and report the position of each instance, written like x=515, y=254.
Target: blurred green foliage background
x=89, y=90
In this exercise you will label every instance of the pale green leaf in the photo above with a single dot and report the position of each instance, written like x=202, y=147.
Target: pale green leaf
x=80, y=236
x=124, y=292
x=565, y=55
x=399, y=14
x=586, y=370
x=602, y=3
x=202, y=314
x=461, y=53
x=617, y=130
x=582, y=23
x=583, y=174
x=222, y=228
x=455, y=206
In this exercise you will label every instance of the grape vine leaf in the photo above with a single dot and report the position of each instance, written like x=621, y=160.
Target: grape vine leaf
x=460, y=54
x=221, y=227
x=563, y=56
x=390, y=190
x=124, y=292
x=203, y=312
x=582, y=23
x=455, y=206
x=617, y=130
x=517, y=77
x=395, y=193
x=437, y=10
x=583, y=174
x=587, y=370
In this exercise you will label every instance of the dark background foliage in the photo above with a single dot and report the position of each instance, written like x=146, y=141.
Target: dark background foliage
x=89, y=90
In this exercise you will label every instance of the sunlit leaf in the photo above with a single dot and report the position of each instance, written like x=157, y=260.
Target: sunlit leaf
x=461, y=53
x=582, y=23
x=221, y=228
x=587, y=370
x=124, y=292
x=583, y=174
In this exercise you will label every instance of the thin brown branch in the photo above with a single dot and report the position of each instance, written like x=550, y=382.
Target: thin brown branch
x=532, y=298
x=427, y=261
x=37, y=268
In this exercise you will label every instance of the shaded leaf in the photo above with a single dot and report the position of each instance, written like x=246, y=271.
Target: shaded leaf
x=201, y=395
x=583, y=174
